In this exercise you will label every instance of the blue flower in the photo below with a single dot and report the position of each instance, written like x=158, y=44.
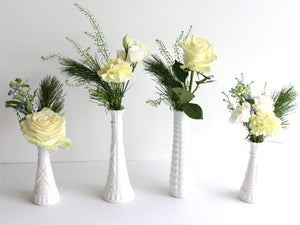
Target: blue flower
x=249, y=97
x=12, y=90
x=24, y=103
x=231, y=90
x=20, y=107
x=18, y=88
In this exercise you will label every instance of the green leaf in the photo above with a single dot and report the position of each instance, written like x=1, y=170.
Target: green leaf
x=179, y=73
x=184, y=95
x=250, y=100
x=193, y=111
x=13, y=103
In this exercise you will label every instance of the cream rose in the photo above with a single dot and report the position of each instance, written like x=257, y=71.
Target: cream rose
x=198, y=54
x=45, y=128
x=263, y=103
x=116, y=70
x=138, y=52
x=241, y=113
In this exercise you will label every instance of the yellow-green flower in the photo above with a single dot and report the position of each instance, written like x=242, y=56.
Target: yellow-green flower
x=45, y=128
x=265, y=123
x=116, y=70
x=198, y=54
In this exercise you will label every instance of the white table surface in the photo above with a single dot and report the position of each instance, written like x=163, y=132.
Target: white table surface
x=80, y=186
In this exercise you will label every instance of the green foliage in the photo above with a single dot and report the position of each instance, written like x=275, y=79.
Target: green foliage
x=164, y=52
x=183, y=95
x=23, y=98
x=165, y=81
x=50, y=94
x=84, y=70
x=194, y=111
x=241, y=92
x=179, y=73
x=284, y=103
x=98, y=35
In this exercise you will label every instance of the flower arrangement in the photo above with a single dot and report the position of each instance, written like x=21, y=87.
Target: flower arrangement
x=262, y=116
x=175, y=76
x=106, y=82
x=40, y=119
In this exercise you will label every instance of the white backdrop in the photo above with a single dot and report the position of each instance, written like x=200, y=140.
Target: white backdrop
x=257, y=38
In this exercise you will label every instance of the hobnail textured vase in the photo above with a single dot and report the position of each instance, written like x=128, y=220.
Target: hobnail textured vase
x=118, y=188
x=248, y=192
x=181, y=183
x=45, y=190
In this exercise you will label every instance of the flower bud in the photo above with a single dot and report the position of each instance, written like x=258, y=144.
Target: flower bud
x=127, y=42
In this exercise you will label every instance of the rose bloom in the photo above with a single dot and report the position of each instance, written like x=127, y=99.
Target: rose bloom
x=198, y=54
x=263, y=103
x=45, y=128
x=241, y=113
x=116, y=70
x=264, y=123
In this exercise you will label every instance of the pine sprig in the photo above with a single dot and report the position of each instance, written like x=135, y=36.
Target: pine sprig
x=284, y=103
x=165, y=81
x=98, y=36
x=50, y=94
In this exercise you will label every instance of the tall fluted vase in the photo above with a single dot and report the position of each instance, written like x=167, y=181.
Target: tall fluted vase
x=45, y=190
x=248, y=192
x=181, y=183
x=118, y=188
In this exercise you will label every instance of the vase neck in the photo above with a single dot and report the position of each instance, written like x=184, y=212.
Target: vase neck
x=116, y=116
x=42, y=152
x=254, y=147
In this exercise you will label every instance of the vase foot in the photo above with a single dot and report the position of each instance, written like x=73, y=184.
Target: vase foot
x=114, y=197
x=44, y=200
x=189, y=194
x=247, y=196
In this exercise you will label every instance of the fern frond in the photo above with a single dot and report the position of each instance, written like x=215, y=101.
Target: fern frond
x=284, y=103
x=50, y=94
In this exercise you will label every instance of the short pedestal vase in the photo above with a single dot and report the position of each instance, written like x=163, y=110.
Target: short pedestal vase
x=248, y=192
x=182, y=182
x=45, y=190
x=118, y=188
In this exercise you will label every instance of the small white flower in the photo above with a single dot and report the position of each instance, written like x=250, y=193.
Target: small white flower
x=241, y=113
x=263, y=103
x=138, y=52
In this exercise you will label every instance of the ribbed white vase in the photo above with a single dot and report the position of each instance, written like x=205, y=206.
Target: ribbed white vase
x=118, y=188
x=248, y=192
x=181, y=183
x=45, y=190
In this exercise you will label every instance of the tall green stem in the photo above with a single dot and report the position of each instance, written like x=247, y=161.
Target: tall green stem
x=191, y=81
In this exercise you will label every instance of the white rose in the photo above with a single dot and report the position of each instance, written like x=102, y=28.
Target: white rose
x=138, y=52
x=263, y=103
x=241, y=113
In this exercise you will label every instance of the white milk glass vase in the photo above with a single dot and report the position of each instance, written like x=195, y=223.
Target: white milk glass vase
x=248, y=191
x=45, y=190
x=181, y=183
x=118, y=188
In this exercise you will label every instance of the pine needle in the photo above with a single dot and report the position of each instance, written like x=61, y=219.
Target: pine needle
x=284, y=103
x=50, y=94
